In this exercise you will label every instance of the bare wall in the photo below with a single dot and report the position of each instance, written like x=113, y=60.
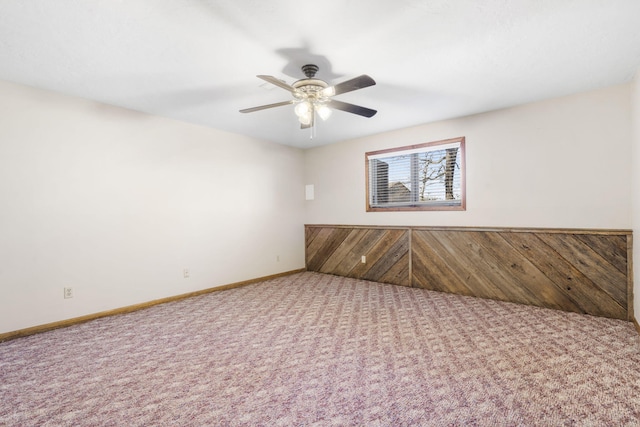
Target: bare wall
x=116, y=204
x=563, y=162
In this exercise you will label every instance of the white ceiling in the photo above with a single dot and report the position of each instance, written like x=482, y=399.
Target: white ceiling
x=196, y=60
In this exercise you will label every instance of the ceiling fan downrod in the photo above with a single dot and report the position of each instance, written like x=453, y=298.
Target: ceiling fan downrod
x=310, y=70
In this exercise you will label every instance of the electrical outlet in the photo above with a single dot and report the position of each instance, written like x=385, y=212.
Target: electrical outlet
x=185, y=273
x=277, y=258
x=363, y=259
x=68, y=293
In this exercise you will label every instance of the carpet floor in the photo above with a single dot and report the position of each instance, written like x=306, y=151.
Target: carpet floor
x=318, y=350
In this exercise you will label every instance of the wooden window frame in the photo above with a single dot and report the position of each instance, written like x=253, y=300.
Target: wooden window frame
x=421, y=206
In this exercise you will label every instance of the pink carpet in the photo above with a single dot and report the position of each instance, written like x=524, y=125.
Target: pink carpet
x=319, y=350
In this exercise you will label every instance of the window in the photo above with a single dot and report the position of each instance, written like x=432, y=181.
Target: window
x=417, y=177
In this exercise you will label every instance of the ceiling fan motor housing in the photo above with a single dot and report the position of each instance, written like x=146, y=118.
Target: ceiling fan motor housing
x=310, y=88
x=306, y=88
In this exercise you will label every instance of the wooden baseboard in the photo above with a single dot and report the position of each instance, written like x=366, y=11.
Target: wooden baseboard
x=635, y=323
x=128, y=309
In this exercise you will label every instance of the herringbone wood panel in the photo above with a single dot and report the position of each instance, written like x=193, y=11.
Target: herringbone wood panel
x=570, y=270
x=565, y=271
x=338, y=250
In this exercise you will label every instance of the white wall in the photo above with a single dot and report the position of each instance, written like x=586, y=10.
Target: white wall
x=635, y=185
x=116, y=203
x=558, y=163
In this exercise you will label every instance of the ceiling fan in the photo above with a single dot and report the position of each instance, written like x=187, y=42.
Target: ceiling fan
x=313, y=96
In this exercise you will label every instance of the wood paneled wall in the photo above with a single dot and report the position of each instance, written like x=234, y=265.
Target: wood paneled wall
x=338, y=250
x=583, y=271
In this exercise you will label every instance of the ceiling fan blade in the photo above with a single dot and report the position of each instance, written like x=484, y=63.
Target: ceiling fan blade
x=353, y=84
x=277, y=82
x=264, y=107
x=351, y=108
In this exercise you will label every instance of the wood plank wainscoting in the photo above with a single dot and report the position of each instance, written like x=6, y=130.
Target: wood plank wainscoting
x=583, y=271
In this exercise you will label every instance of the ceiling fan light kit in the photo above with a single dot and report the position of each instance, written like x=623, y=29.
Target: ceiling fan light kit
x=313, y=96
